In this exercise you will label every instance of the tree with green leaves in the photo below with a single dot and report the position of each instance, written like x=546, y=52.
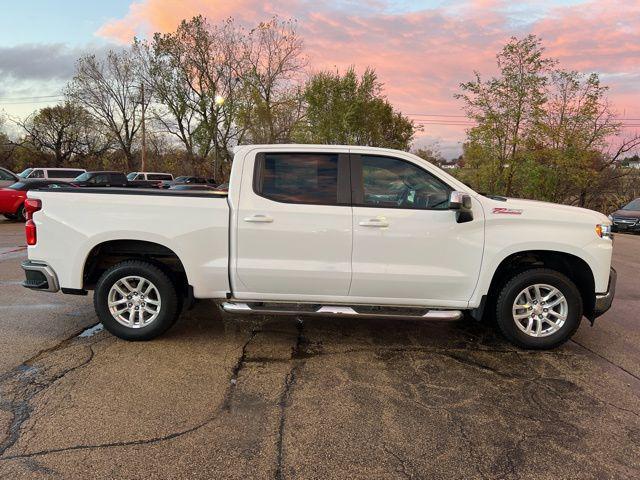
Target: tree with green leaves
x=541, y=132
x=507, y=109
x=351, y=110
x=66, y=132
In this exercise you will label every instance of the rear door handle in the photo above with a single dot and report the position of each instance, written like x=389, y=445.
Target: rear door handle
x=375, y=222
x=258, y=219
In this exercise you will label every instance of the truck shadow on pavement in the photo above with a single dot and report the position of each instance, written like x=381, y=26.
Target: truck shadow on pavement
x=299, y=397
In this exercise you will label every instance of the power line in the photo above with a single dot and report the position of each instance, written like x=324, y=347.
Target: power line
x=30, y=97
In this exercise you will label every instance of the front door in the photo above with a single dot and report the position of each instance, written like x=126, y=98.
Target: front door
x=408, y=247
x=294, y=229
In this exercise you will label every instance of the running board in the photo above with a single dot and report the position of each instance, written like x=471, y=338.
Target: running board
x=339, y=310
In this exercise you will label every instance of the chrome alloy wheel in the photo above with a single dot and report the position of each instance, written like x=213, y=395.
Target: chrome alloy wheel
x=540, y=310
x=134, y=302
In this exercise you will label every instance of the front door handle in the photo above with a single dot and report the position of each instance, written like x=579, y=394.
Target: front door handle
x=375, y=222
x=258, y=219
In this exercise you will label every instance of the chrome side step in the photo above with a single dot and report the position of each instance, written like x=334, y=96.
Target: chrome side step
x=340, y=310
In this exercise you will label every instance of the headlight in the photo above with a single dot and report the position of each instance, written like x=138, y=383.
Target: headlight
x=604, y=231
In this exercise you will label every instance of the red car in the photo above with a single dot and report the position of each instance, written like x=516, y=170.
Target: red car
x=12, y=198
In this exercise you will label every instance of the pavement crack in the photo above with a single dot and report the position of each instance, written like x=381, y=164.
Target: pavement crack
x=285, y=396
x=145, y=441
x=30, y=386
x=404, y=469
x=606, y=359
x=237, y=368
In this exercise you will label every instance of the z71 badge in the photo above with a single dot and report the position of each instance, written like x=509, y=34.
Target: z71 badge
x=507, y=211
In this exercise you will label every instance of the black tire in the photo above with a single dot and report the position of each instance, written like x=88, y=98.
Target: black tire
x=168, y=312
x=507, y=296
x=21, y=214
x=10, y=216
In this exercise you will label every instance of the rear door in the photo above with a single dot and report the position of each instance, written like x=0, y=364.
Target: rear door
x=408, y=247
x=294, y=226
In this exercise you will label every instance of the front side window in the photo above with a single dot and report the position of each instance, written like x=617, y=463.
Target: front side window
x=310, y=178
x=37, y=174
x=389, y=182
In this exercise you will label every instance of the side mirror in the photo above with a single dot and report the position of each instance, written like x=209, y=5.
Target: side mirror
x=461, y=203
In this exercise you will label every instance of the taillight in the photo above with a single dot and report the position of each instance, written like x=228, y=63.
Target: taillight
x=30, y=231
x=32, y=205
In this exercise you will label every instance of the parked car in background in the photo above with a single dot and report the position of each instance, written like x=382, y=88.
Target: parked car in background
x=223, y=187
x=150, y=176
x=7, y=177
x=101, y=179
x=202, y=188
x=62, y=174
x=187, y=180
x=12, y=198
x=627, y=218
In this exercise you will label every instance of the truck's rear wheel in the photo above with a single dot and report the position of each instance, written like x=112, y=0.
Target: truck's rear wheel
x=539, y=309
x=135, y=300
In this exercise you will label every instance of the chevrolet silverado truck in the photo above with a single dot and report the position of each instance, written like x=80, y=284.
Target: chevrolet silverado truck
x=324, y=230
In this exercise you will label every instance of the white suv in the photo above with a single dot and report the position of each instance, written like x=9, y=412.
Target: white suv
x=64, y=174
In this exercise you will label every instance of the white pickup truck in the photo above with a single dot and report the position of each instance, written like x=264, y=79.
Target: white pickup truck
x=324, y=230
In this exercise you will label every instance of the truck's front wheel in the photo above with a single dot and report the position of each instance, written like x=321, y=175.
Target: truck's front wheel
x=135, y=300
x=539, y=309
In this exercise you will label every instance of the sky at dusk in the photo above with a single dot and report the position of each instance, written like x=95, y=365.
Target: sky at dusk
x=421, y=50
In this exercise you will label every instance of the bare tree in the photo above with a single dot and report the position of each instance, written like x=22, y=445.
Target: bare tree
x=195, y=74
x=109, y=90
x=272, y=64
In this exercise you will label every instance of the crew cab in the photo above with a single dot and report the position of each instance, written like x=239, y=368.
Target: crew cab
x=324, y=230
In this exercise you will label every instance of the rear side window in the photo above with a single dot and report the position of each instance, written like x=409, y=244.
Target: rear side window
x=64, y=173
x=158, y=176
x=310, y=178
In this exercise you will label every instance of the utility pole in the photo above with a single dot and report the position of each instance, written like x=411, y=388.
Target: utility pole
x=144, y=132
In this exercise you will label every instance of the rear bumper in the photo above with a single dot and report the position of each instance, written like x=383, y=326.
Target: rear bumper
x=40, y=276
x=604, y=300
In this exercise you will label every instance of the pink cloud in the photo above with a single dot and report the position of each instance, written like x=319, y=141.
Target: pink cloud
x=423, y=55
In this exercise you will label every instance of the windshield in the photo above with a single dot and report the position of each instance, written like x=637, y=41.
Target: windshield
x=25, y=173
x=633, y=205
x=132, y=175
x=82, y=178
x=18, y=186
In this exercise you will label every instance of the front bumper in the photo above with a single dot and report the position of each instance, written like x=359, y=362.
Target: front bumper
x=40, y=276
x=604, y=300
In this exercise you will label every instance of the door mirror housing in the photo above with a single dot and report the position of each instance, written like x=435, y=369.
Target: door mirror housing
x=461, y=203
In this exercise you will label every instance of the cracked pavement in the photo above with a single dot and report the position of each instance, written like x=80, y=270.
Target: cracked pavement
x=298, y=397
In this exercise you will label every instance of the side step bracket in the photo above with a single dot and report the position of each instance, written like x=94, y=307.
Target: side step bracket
x=339, y=310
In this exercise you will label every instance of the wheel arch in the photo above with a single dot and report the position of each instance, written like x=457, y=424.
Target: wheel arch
x=570, y=265
x=107, y=253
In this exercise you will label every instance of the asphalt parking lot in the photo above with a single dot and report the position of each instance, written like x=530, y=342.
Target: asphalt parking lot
x=286, y=397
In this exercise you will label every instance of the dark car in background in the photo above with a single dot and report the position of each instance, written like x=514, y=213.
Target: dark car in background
x=204, y=188
x=12, y=198
x=189, y=180
x=101, y=179
x=627, y=218
x=7, y=177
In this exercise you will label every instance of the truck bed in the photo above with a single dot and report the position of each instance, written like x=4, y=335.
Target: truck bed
x=74, y=222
